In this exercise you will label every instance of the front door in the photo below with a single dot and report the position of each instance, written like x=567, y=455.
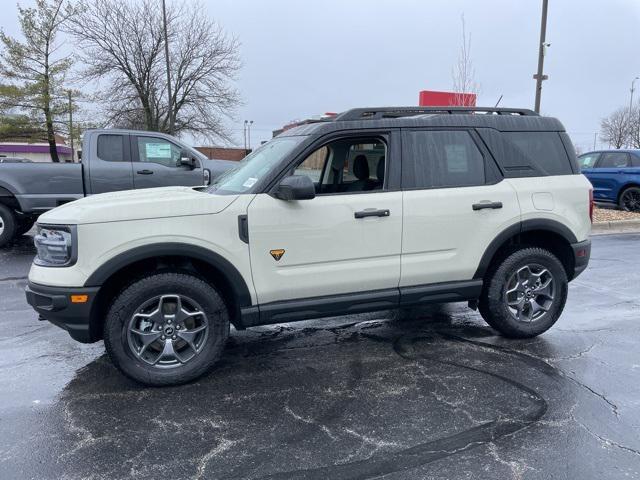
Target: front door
x=156, y=164
x=345, y=240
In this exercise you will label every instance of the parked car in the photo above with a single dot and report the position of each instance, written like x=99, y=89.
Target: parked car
x=112, y=160
x=14, y=160
x=377, y=209
x=615, y=176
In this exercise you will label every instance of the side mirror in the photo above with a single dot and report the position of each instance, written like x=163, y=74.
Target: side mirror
x=295, y=187
x=186, y=160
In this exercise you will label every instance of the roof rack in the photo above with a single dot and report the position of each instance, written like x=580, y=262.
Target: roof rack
x=396, y=112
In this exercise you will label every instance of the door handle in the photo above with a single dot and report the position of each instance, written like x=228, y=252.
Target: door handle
x=372, y=213
x=145, y=172
x=491, y=205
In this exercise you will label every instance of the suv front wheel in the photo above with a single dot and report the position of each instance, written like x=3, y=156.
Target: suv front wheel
x=166, y=329
x=525, y=293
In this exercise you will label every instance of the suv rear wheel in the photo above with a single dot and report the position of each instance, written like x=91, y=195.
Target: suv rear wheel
x=630, y=199
x=166, y=329
x=525, y=293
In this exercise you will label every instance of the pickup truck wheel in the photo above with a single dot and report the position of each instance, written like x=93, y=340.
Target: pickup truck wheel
x=525, y=294
x=166, y=329
x=7, y=225
x=630, y=199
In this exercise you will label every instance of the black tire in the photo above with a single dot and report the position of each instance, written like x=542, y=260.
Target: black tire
x=23, y=227
x=630, y=199
x=8, y=225
x=117, y=336
x=493, y=305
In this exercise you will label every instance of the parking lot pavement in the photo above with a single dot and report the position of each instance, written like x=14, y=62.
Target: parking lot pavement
x=429, y=393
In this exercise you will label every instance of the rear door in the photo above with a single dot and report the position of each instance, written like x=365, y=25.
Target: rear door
x=109, y=168
x=454, y=202
x=608, y=175
x=156, y=164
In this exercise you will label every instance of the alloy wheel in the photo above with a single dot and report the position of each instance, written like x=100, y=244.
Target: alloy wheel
x=530, y=292
x=167, y=331
x=631, y=200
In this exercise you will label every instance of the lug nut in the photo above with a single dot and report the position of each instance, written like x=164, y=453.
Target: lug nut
x=168, y=321
x=178, y=327
x=174, y=337
x=163, y=337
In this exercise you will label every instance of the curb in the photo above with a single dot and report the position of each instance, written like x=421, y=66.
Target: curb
x=616, y=226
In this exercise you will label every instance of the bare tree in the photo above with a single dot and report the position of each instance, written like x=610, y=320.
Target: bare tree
x=615, y=128
x=123, y=49
x=633, y=140
x=463, y=72
x=33, y=72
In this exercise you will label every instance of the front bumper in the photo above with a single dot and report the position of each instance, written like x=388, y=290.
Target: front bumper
x=54, y=304
x=581, y=255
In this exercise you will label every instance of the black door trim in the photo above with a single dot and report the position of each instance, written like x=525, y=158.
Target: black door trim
x=332, y=305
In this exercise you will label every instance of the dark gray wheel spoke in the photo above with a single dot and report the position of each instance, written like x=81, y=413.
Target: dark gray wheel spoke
x=168, y=330
x=529, y=293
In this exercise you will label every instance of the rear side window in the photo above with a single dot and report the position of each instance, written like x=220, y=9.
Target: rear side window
x=442, y=159
x=543, y=149
x=614, y=160
x=111, y=148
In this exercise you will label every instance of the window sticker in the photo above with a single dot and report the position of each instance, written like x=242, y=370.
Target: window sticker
x=158, y=150
x=249, y=182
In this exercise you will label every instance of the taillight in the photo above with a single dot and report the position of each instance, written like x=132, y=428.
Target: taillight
x=591, y=204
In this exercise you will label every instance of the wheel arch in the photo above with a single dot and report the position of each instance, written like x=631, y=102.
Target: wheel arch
x=120, y=271
x=546, y=233
x=8, y=198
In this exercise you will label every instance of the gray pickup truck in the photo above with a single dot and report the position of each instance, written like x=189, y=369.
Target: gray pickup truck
x=112, y=160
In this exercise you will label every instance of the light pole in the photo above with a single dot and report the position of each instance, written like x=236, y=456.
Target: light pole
x=244, y=134
x=249, y=133
x=539, y=76
x=632, y=90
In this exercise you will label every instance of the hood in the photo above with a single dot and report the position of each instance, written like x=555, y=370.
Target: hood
x=138, y=205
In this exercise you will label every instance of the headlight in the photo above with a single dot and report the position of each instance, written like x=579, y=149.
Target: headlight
x=56, y=246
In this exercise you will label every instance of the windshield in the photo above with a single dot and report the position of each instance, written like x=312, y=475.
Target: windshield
x=255, y=166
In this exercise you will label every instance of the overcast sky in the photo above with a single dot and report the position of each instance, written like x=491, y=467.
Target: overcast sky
x=303, y=58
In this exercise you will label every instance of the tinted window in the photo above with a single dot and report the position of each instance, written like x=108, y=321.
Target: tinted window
x=443, y=159
x=158, y=150
x=588, y=160
x=614, y=160
x=111, y=148
x=543, y=149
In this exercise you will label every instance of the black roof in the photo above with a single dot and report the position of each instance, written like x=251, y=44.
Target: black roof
x=503, y=119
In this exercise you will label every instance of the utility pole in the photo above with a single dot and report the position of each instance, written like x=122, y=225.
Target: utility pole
x=166, y=55
x=540, y=77
x=632, y=90
x=71, y=126
x=595, y=136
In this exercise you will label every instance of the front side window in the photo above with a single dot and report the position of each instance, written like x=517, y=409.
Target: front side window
x=614, y=160
x=111, y=148
x=588, y=160
x=255, y=166
x=350, y=165
x=442, y=159
x=158, y=150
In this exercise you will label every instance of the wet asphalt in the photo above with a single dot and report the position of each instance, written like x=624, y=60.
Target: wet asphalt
x=430, y=393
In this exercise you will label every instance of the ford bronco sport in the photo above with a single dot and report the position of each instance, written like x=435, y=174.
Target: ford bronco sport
x=376, y=209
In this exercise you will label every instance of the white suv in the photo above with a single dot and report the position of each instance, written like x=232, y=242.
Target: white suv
x=375, y=209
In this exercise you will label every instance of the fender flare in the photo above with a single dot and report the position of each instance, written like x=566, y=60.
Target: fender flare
x=216, y=261
x=543, y=224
